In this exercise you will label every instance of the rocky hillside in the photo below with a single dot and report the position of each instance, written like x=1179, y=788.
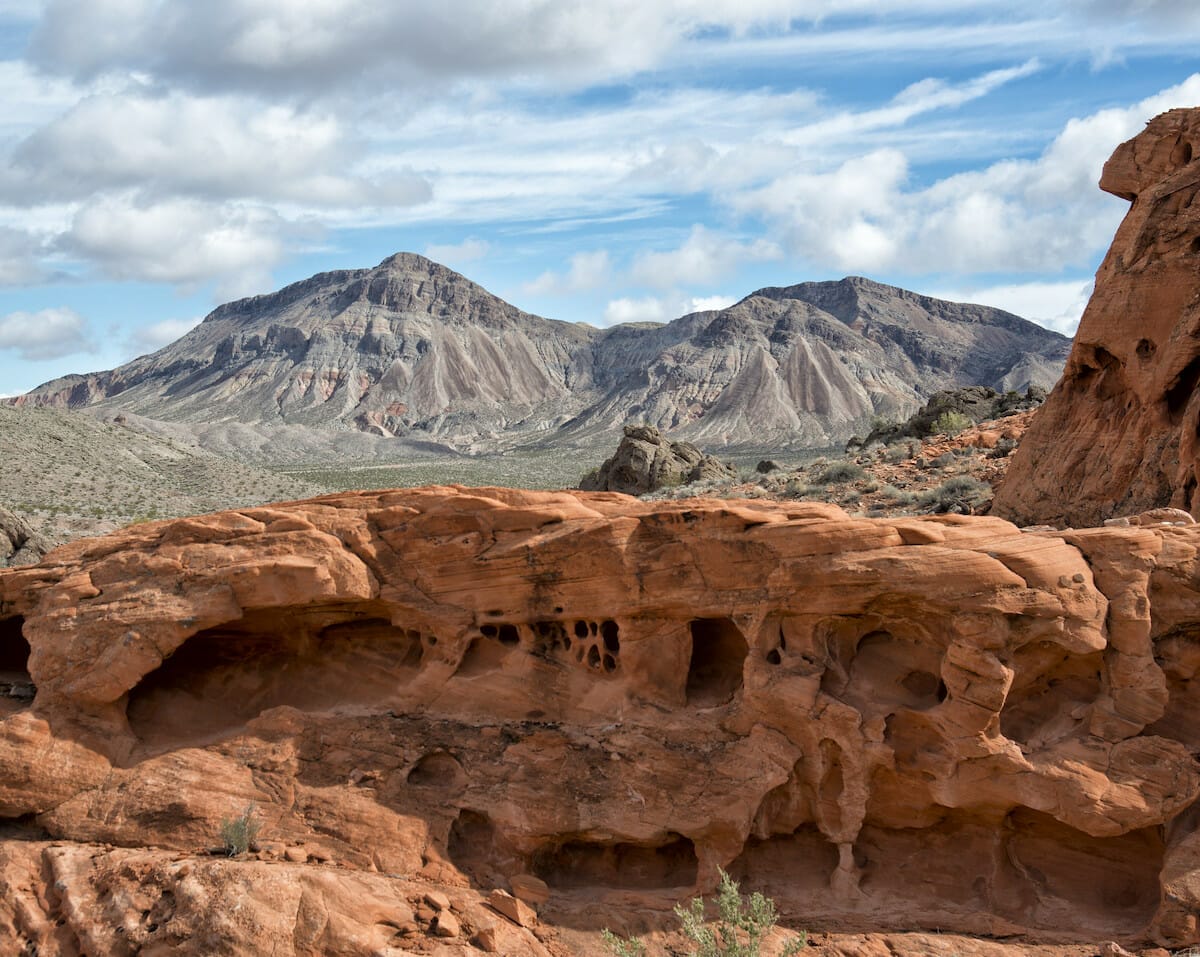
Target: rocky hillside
x=70, y=474
x=413, y=350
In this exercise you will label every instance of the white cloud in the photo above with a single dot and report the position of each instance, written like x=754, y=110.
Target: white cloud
x=20, y=255
x=46, y=334
x=215, y=147
x=1012, y=216
x=181, y=241
x=588, y=270
x=469, y=250
x=706, y=257
x=661, y=308
x=158, y=334
x=1055, y=305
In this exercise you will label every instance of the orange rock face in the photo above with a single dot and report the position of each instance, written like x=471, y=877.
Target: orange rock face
x=1120, y=433
x=429, y=695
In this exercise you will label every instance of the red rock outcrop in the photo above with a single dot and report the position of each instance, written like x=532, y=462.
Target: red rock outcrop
x=938, y=723
x=1120, y=432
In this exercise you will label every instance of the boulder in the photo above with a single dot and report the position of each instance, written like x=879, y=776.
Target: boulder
x=19, y=543
x=646, y=460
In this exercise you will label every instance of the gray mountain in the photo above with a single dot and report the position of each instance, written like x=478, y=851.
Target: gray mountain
x=412, y=349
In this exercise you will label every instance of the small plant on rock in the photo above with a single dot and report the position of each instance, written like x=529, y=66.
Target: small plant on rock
x=951, y=423
x=741, y=925
x=238, y=833
x=622, y=947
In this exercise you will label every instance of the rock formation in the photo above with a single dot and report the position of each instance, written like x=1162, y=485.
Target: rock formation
x=413, y=350
x=19, y=543
x=647, y=460
x=1121, y=431
x=974, y=404
x=594, y=702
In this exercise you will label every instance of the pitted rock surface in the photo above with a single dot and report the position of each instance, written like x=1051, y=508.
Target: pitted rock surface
x=1120, y=433
x=939, y=724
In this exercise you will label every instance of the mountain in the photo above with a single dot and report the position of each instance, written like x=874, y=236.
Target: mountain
x=414, y=350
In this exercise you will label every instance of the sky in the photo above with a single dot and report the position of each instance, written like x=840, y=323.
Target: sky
x=598, y=161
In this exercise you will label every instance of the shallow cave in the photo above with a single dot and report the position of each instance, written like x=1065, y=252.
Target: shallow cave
x=16, y=684
x=1052, y=694
x=581, y=863
x=313, y=659
x=718, y=656
x=476, y=849
x=887, y=674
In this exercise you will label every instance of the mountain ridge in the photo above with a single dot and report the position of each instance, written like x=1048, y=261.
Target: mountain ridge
x=414, y=350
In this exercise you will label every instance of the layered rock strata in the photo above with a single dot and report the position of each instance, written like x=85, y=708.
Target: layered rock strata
x=938, y=723
x=1121, y=431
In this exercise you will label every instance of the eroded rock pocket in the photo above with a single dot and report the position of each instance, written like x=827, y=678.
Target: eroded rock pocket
x=313, y=659
x=17, y=689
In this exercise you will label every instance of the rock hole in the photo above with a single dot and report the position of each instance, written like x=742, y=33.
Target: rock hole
x=1196, y=245
x=627, y=866
x=610, y=664
x=889, y=673
x=1052, y=694
x=1181, y=155
x=311, y=658
x=593, y=657
x=438, y=769
x=476, y=850
x=790, y=868
x=1181, y=389
x=1146, y=348
x=489, y=631
x=610, y=632
x=718, y=654
x=16, y=684
x=773, y=657
x=482, y=655
x=581, y=629
x=509, y=635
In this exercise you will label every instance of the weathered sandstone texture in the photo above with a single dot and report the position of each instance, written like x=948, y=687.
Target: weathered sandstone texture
x=594, y=703
x=1120, y=433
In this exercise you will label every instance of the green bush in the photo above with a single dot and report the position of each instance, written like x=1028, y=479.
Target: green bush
x=840, y=473
x=951, y=423
x=741, y=926
x=963, y=494
x=238, y=833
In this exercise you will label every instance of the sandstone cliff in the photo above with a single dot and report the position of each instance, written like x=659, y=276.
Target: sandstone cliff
x=1121, y=431
x=414, y=350
x=939, y=723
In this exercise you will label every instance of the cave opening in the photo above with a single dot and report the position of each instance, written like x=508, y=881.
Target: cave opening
x=16, y=684
x=718, y=656
x=625, y=865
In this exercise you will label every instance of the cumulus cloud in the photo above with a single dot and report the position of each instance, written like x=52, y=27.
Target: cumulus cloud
x=1012, y=216
x=20, y=258
x=706, y=257
x=216, y=147
x=469, y=250
x=306, y=45
x=158, y=334
x=46, y=334
x=661, y=308
x=181, y=241
x=588, y=270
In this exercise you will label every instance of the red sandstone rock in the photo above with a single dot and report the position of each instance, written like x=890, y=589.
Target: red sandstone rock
x=939, y=723
x=1120, y=433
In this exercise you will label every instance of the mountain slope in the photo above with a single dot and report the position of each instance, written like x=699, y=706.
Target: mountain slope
x=414, y=350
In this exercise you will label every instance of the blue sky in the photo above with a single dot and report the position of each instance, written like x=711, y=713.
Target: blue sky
x=590, y=161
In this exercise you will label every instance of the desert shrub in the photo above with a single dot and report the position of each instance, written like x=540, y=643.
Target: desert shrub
x=944, y=460
x=897, y=496
x=963, y=494
x=741, y=924
x=871, y=486
x=238, y=833
x=622, y=947
x=951, y=423
x=841, y=472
